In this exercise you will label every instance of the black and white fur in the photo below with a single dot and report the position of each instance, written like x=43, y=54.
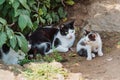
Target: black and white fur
x=10, y=56
x=46, y=40
x=90, y=44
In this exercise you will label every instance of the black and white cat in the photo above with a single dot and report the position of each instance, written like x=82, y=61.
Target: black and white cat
x=90, y=44
x=46, y=40
x=10, y=56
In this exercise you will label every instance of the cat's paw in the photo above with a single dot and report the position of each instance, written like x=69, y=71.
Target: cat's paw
x=66, y=50
x=93, y=55
x=71, y=49
x=100, y=54
x=89, y=58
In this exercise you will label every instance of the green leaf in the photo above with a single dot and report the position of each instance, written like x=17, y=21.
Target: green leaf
x=35, y=25
x=1, y=27
x=40, y=12
x=10, y=33
x=42, y=20
x=19, y=40
x=70, y=2
x=3, y=38
x=2, y=1
x=44, y=10
x=22, y=21
x=47, y=3
x=11, y=1
x=21, y=11
x=13, y=42
x=31, y=3
x=55, y=17
x=30, y=25
x=48, y=18
x=15, y=5
x=61, y=12
x=24, y=3
x=22, y=42
x=3, y=21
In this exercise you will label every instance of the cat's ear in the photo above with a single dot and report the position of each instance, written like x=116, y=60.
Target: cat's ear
x=61, y=26
x=72, y=22
x=69, y=23
x=86, y=32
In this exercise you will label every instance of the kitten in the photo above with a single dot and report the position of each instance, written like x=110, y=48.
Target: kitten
x=9, y=56
x=90, y=44
x=46, y=40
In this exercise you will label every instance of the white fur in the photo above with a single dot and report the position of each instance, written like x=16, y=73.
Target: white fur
x=41, y=45
x=90, y=46
x=12, y=57
x=66, y=42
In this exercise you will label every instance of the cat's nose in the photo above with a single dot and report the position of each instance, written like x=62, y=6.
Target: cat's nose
x=70, y=37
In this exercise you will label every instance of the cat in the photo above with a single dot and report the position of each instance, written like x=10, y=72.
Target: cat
x=47, y=40
x=89, y=44
x=10, y=56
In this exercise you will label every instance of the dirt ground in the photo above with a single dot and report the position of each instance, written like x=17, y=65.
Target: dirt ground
x=106, y=67
x=100, y=68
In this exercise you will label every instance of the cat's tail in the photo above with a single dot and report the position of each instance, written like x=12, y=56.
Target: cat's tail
x=41, y=48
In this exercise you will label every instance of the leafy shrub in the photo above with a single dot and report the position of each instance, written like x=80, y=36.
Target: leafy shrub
x=55, y=56
x=19, y=17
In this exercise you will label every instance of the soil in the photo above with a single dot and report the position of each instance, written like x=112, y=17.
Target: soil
x=99, y=68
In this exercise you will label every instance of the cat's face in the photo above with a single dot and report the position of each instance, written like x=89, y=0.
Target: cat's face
x=90, y=36
x=68, y=30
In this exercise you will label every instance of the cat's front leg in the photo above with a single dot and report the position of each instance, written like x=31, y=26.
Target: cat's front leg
x=59, y=49
x=50, y=51
x=100, y=53
x=89, y=54
x=62, y=49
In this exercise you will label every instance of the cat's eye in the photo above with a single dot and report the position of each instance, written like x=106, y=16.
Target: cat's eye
x=88, y=41
x=66, y=32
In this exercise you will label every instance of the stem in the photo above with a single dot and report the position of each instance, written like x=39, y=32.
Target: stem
x=62, y=1
x=11, y=24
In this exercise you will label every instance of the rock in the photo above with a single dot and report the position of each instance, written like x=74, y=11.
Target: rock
x=56, y=64
x=33, y=64
x=109, y=59
x=75, y=76
x=6, y=75
x=105, y=15
x=20, y=77
x=58, y=77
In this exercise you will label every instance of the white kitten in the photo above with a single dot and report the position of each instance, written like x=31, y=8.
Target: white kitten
x=88, y=45
x=10, y=56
